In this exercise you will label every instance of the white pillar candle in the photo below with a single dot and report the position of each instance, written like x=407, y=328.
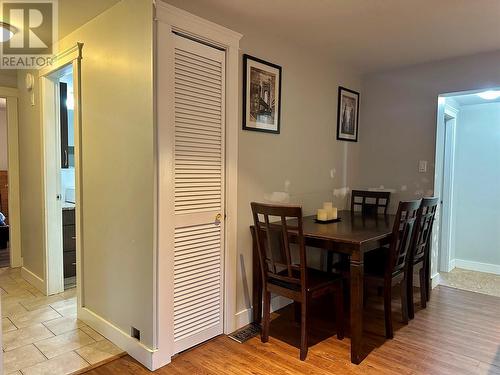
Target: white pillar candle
x=333, y=213
x=327, y=205
x=322, y=214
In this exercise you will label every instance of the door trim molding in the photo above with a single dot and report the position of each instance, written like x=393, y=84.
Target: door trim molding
x=168, y=20
x=448, y=173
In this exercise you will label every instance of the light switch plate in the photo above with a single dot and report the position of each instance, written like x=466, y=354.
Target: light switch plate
x=422, y=166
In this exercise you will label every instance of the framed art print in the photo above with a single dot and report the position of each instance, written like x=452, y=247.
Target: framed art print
x=261, y=95
x=347, y=115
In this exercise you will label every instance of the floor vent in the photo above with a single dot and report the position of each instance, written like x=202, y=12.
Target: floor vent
x=245, y=333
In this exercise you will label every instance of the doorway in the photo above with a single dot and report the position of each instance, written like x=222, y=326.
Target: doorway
x=4, y=188
x=10, y=249
x=468, y=178
x=60, y=186
x=61, y=134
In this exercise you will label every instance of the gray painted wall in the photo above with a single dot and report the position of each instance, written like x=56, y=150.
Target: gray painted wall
x=398, y=122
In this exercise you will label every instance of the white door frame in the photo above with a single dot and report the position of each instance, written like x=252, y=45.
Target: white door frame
x=53, y=257
x=443, y=183
x=11, y=95
x=168, y=20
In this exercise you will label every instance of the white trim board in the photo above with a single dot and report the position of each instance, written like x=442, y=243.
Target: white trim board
x=435, y=280
x=33, y=279
x=477, y=266
x=118, y=337
x=452, y=265
x=245, y=316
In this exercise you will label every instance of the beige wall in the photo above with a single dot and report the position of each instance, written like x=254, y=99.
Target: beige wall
x=8, y=78
x=30, y=179
x=303, y=157
x=117, y=165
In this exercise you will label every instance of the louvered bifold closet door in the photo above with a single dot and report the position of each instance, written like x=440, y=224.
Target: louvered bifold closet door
x=199, y=96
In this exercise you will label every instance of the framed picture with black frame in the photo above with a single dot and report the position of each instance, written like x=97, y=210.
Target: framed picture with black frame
x=347, y=115
x=261, y=95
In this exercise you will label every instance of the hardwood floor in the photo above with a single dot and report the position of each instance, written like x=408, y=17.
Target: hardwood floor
x=458, y=333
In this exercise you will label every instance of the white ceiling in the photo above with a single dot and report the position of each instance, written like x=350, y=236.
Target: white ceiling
x=370, y=35
x=472, y=99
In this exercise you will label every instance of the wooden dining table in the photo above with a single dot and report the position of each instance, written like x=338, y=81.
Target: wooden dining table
x=354, y=235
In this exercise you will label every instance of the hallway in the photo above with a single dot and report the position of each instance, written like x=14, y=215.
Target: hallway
x=41, y=335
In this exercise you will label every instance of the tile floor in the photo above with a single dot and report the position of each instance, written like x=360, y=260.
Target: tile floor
x=473, y=281
x=41, y=335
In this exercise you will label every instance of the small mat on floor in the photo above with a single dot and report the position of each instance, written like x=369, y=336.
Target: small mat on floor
x=245, y=333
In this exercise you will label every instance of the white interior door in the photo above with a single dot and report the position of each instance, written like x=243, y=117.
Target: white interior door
x=199, y=97
x=54, y=279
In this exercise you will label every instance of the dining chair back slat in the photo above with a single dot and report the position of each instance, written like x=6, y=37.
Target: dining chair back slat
x=370, y=202
x=402, y=236
x=425, y=219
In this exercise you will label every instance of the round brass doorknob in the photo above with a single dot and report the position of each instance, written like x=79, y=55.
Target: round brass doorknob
x=218, y=217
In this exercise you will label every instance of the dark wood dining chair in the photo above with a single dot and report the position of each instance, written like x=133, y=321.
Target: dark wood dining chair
x=286, y=277
x=420, y=252
x=370, y=202
x=388, y=266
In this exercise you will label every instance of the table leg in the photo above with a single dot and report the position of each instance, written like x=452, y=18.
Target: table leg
x=357, y=281
x=256, y=281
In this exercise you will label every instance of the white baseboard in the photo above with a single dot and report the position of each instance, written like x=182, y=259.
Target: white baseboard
x=435, y=280
x=132, y=346
x=245, y=316
x=453, y=265
x=33, y=279
x=478, y=266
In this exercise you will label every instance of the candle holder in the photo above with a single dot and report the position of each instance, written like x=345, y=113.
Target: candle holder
x=327, y=221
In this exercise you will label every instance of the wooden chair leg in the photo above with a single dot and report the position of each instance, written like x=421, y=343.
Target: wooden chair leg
x=266, y=317
x=365, y=296
x=329, y=261
x=339, y=313
x=404, y=299
x=388, y=310
x=423, y=289
x=427, y=280
x=409, y=291
x=303, y=330
x=297, y=311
